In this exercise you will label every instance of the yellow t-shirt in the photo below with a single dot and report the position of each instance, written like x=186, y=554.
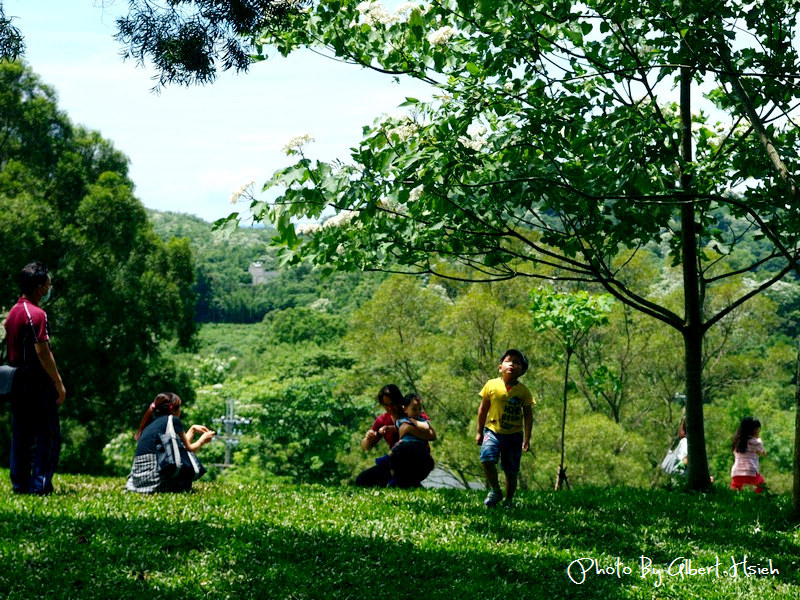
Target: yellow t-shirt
x=505, y=406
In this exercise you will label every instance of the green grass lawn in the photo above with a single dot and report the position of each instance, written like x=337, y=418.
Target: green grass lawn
x=90, y=540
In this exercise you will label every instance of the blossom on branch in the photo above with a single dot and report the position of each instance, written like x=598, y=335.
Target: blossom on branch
x=297, y=143
x=441, y=36
x=341, y=218
x=374, y=13
x=246, y=192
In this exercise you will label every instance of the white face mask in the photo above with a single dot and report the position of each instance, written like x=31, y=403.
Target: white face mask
x=49, y=293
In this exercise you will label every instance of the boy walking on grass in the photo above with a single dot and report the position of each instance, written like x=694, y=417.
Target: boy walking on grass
x=505, y=420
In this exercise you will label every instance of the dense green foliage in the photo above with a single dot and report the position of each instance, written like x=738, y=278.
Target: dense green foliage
x=93, y=541
x=11, y=42
x=119, y=290
x=189, y=40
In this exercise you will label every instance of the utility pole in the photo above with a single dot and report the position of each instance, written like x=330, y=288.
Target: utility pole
x=231, y=430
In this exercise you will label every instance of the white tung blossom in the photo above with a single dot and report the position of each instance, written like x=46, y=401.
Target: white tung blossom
x=405, y=130
x=441, y=36
x=374, y=13
x=341, y=218
x=472, y=142
x=416, y=193
x=296, y=144
x=405, y=8
x=475, y=138
x=246, y=191
x=307, y=228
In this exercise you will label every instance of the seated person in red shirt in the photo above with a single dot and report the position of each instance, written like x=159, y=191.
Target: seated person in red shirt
x=391, y=399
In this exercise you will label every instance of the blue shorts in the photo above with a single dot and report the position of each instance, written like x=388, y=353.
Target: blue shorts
x=508, y=447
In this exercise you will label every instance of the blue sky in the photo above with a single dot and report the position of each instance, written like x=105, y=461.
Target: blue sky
x=191, y=148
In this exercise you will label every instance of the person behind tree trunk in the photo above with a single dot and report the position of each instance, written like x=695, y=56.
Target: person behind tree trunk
x=144, y=477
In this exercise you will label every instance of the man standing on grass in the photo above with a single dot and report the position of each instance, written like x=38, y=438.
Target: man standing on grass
x=36, y=433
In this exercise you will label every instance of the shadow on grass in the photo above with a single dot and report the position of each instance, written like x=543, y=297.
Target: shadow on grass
x=242, y=547
x=93, y=558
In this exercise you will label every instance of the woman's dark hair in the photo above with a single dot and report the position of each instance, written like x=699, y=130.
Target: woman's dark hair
x=747, y=429
x=32, y=276
x=407, y=400
x=518, y=355
x=166, y=403
x=682, y=429
x=394, y=393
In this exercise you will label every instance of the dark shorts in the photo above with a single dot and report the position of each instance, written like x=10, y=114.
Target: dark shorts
x=505, y=447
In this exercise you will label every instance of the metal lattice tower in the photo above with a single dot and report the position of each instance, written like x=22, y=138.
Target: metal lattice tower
x=231, y=426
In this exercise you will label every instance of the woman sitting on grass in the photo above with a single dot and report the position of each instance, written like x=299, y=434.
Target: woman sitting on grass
x=391, y=399
x=144, y=477
x=410, y=458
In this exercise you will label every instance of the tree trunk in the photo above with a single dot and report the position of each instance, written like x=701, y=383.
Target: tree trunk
x=698, y=477
x=561, y=477
x=796, y=483
x=693, y=330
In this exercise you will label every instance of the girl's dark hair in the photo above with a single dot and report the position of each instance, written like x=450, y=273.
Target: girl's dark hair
x=407, y=400
x=747, y=429
x=394, y=393
x=166, y=403
x=682, y=429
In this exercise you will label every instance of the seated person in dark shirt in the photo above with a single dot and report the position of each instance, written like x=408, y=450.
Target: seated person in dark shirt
x=144, y=477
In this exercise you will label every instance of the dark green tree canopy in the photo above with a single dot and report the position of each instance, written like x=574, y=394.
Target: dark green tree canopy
x=188, y=41
x=11, y=43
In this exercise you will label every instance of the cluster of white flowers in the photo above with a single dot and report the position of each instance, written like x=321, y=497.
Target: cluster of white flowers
x=246, y=192
x=341, y=218
x=416, y=193
x=296, y=144
x=441, y=36
x=475, y=138
x=321, y=304
x=405, y=129
x=406, y=8
x=374, y=13
x=307, y=228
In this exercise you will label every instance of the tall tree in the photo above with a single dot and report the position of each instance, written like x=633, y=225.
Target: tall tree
x=554, y=145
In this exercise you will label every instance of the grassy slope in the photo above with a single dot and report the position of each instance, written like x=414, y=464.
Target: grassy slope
x=90, y=540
